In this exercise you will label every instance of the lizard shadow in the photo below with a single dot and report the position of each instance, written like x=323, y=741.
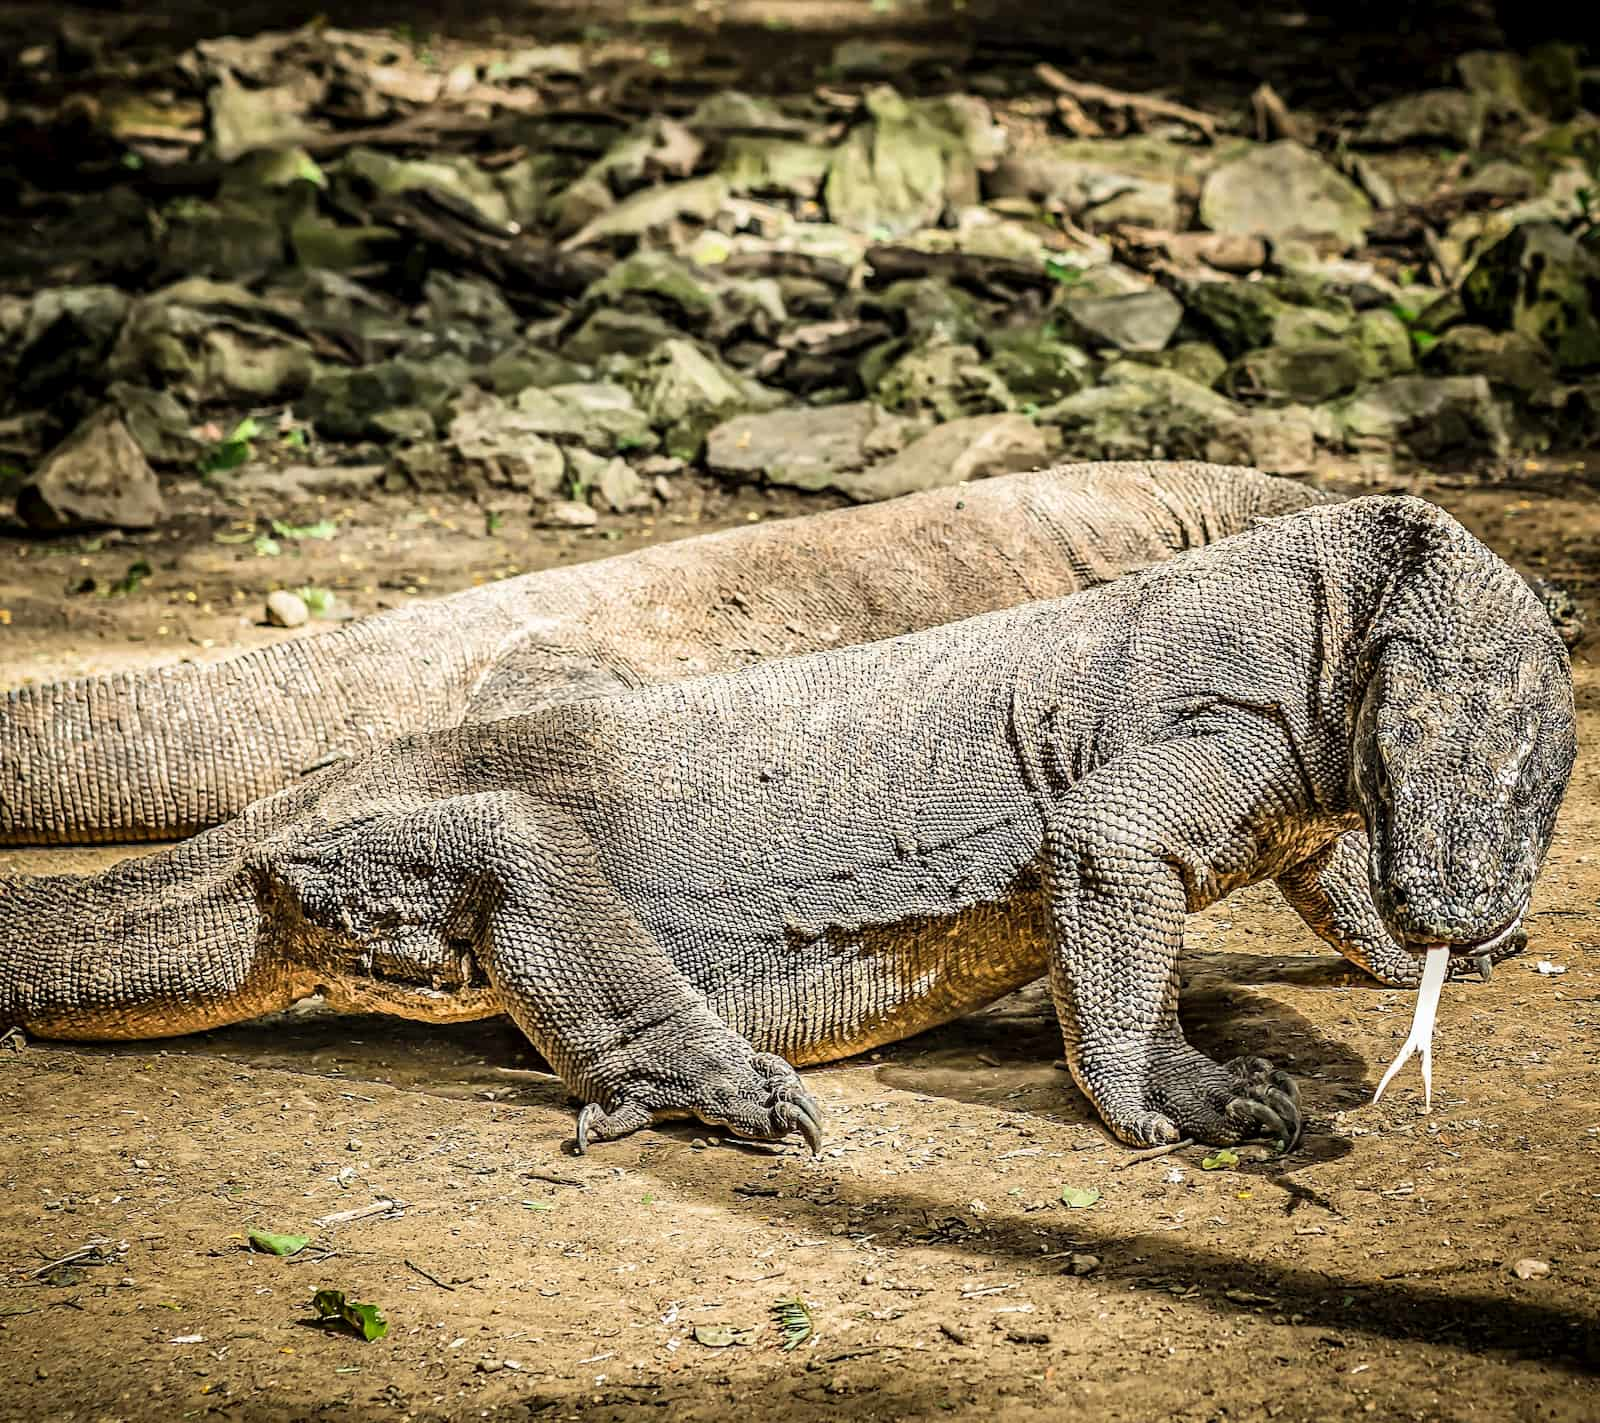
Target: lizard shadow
x=1008, y=1056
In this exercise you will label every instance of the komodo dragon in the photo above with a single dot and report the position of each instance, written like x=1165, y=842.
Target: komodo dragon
x=679, y=891
x=163, y=753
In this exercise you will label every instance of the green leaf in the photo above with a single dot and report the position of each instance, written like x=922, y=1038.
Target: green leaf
x=1063, y=272
x=322, y=529
x=306, y=169
x=794, y=1322
x=1223, y=1157
x=365, y=1319
x=1079, y=1198
x=1407, y=314
x=319, y=601
x=1424, y=341
x=267, y=547
x=270, y=1244
x=130, y=581
x=539, y=1205
x=233, y=451
x=493, y=522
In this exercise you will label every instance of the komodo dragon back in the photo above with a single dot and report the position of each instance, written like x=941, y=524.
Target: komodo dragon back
x=161, y=753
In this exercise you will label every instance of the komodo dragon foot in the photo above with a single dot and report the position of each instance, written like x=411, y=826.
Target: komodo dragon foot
x=766, y=1102
x=1198, y=1099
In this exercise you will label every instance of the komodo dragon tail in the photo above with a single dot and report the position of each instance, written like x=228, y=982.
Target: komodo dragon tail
x=159, y=754
x=162, y=753
x=167, y=943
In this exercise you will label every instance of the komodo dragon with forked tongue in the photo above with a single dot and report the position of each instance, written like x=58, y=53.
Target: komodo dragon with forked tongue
x=679, y=891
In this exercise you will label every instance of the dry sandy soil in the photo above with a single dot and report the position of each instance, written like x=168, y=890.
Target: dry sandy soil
x=1368, y=1275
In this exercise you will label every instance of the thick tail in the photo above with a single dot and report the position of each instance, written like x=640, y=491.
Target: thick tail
x=170, y=943
x=159, y=754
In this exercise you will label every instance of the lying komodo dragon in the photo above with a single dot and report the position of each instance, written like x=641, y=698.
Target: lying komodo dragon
x=670, y=887
x=161, y=754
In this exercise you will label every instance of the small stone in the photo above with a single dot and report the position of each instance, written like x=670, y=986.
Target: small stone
x=567, y=514
x=1082, y=1264
x=354, y=1144
x=286, y=609
x=1528, y=1269
x=698, y=1144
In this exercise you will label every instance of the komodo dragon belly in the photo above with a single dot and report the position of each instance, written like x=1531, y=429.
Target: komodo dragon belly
x=817, y=999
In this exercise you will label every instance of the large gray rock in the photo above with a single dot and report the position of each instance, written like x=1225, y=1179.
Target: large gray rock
x=1140, y=412
x=823, y=448
x=685, y=392
x=1540, y=281
x=343, y=404
x=502, y=446
x=952, y=453
x=901, y=170
x=212, y=343
x=1505, y=358
x=1452, y=116
x=61, y=340
x=96, y=477
x=1307, y=373
x=1132, y=321
x=1281, y=441
x=1424, y=416
x=943, y=381
x=1280, y=190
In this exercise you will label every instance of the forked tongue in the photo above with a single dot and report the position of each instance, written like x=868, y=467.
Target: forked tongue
x=1420, y=1038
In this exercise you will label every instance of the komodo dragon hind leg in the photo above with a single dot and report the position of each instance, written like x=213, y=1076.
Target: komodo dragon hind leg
x=602, y=1000
x=1113, y=848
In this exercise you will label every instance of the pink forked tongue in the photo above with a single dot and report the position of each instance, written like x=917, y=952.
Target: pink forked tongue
x=1420, y=1038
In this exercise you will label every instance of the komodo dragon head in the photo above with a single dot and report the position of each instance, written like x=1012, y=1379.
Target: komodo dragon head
x=1464, y=739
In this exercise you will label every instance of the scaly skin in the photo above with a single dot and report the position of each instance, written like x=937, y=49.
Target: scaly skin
x=680, y=892
x=163, y=753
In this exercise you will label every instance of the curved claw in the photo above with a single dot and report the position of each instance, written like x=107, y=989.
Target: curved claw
x=809, y=1122
x=1485, y=964
x=585, y=1119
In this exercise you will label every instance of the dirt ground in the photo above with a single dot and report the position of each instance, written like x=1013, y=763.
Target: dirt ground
x=1371, y=1274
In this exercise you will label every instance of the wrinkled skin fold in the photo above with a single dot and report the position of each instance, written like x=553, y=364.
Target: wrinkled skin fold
x=683, y=892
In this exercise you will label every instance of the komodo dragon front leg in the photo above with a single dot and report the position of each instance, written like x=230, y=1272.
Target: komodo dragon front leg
x=1129, y=850
x=1332, y=892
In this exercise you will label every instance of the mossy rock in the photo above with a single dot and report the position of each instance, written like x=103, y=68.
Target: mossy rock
x=1539, y=281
